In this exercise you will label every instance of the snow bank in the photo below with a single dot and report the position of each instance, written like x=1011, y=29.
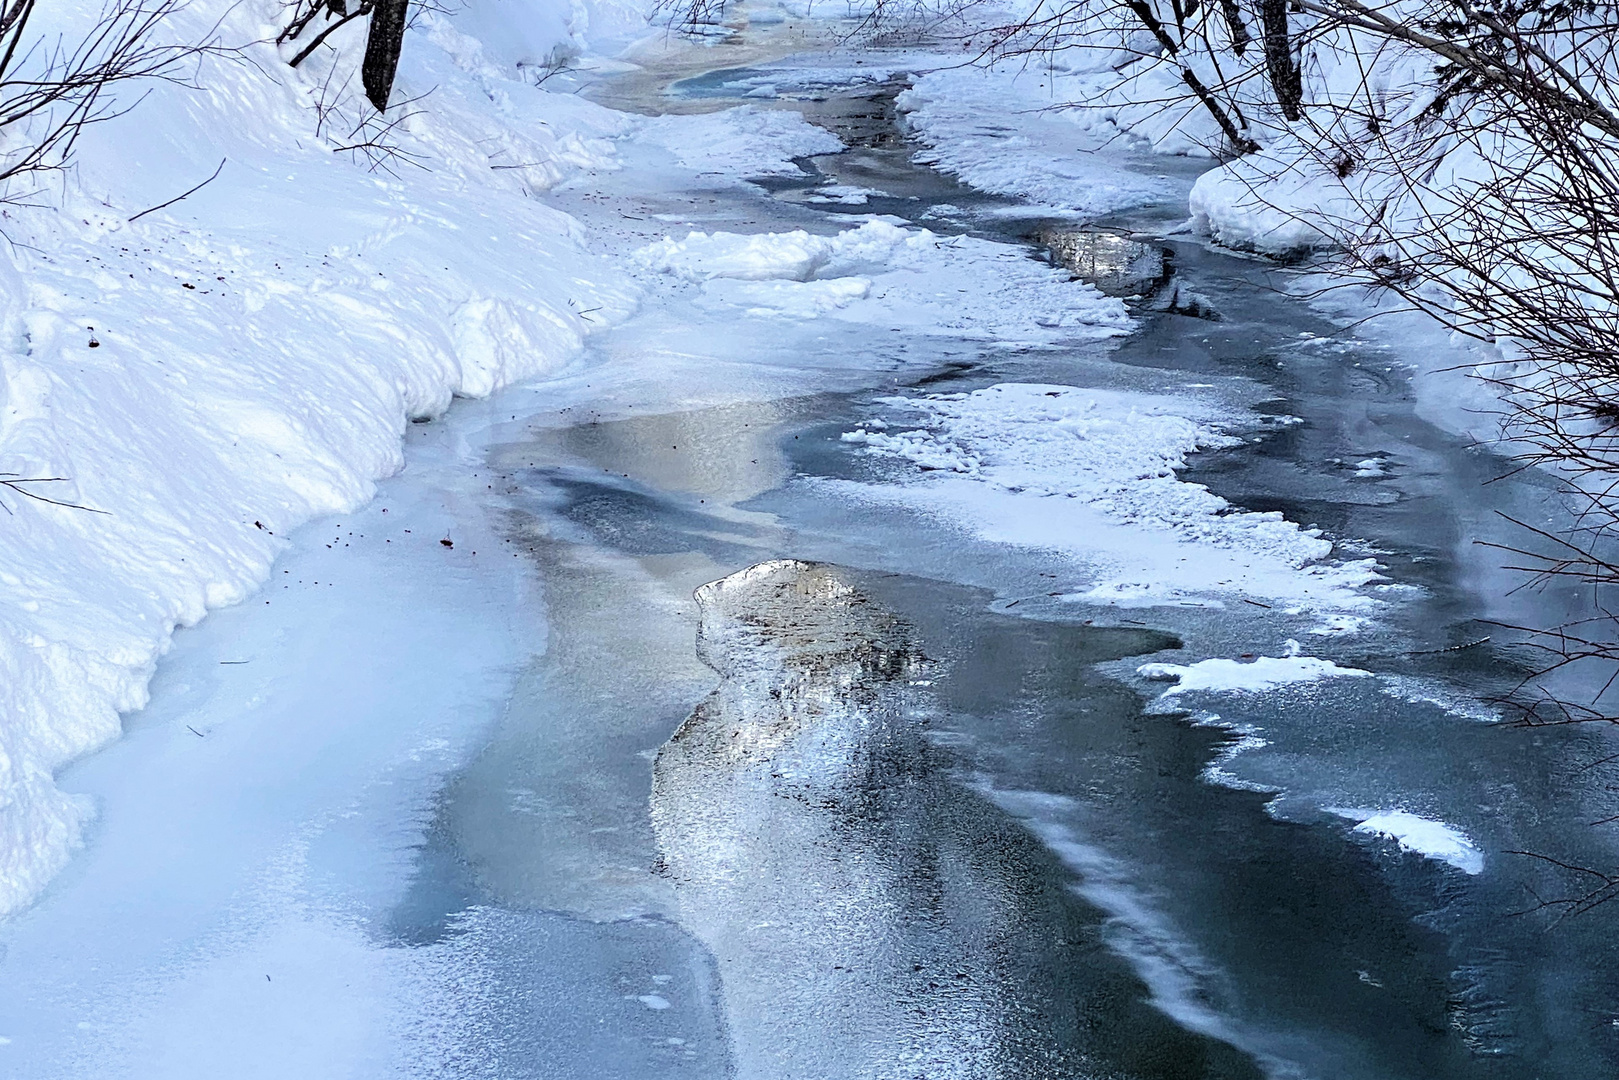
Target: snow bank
x=1246, y=676
x=1040, y=126
x=745, y=142
x=1423, y=836
x=212, y=374
x=1004, y=129
x=1094, y=472
x=1260, y=207
x=883, y=274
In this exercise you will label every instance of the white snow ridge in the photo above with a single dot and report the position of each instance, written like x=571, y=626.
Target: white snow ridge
x=901, y=277
x=1246, y=676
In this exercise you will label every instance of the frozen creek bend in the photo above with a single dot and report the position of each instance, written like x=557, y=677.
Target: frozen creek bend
x=881, y=669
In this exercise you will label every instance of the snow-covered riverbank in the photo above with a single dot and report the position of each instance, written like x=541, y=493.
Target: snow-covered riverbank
x=208, y=377
x=448, y=796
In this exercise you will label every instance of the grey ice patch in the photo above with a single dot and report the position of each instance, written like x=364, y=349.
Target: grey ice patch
x=1176, y=298
x=871, y=914
x=1115, y=263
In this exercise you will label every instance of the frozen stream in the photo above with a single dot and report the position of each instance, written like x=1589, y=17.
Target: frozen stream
x=477, y=788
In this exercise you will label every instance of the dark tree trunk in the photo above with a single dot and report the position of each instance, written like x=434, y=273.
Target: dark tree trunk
x=1285, y=78
x=382, y=45
x=1240, y=143
x=1234, y=23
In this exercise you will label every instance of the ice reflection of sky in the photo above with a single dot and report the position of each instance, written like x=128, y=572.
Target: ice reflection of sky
x=1112, y=261
x=871, y=915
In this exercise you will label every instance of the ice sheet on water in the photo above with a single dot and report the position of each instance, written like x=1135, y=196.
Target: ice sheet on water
x=774, y=804
x=1094, y=473
x=883, y=273
x=1305, y=792
x=996, y=129
x=261, y=817
x=744, y=142
x=1246, y=738
x=1423, y=691
x=1184, y=983
x=842, y=194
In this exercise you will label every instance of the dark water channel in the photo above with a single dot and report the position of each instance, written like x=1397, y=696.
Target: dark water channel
x=851, y=814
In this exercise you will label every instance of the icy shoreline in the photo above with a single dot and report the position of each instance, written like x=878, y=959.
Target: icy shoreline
x=212, y=375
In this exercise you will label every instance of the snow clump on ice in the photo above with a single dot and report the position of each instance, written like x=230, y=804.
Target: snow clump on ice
x=1246, y=676
x=881, y=273
x=1422, y=836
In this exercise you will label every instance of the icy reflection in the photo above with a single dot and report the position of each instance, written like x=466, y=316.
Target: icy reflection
x=1112, y=261
x=725, y=452
x=870, y=916
x=798, y=645
x=782, y=806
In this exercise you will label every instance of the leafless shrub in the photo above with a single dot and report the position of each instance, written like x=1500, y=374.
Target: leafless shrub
x=52, y=88
x=335, y=16
x=374, y=140
x=1207, y=45
x=1587, y=888
x=558, y=63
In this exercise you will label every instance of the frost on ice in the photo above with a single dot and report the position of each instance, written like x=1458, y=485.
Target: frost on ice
x=1094, y=472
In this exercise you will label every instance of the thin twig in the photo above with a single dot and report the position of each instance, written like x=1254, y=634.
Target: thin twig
x=187, y=194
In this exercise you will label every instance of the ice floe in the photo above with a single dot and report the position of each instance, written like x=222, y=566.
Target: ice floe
x=882, y=273
x=1219, y=675
x=1094, y=473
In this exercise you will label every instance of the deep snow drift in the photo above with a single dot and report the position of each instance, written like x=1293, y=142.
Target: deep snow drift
x=217, y=372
